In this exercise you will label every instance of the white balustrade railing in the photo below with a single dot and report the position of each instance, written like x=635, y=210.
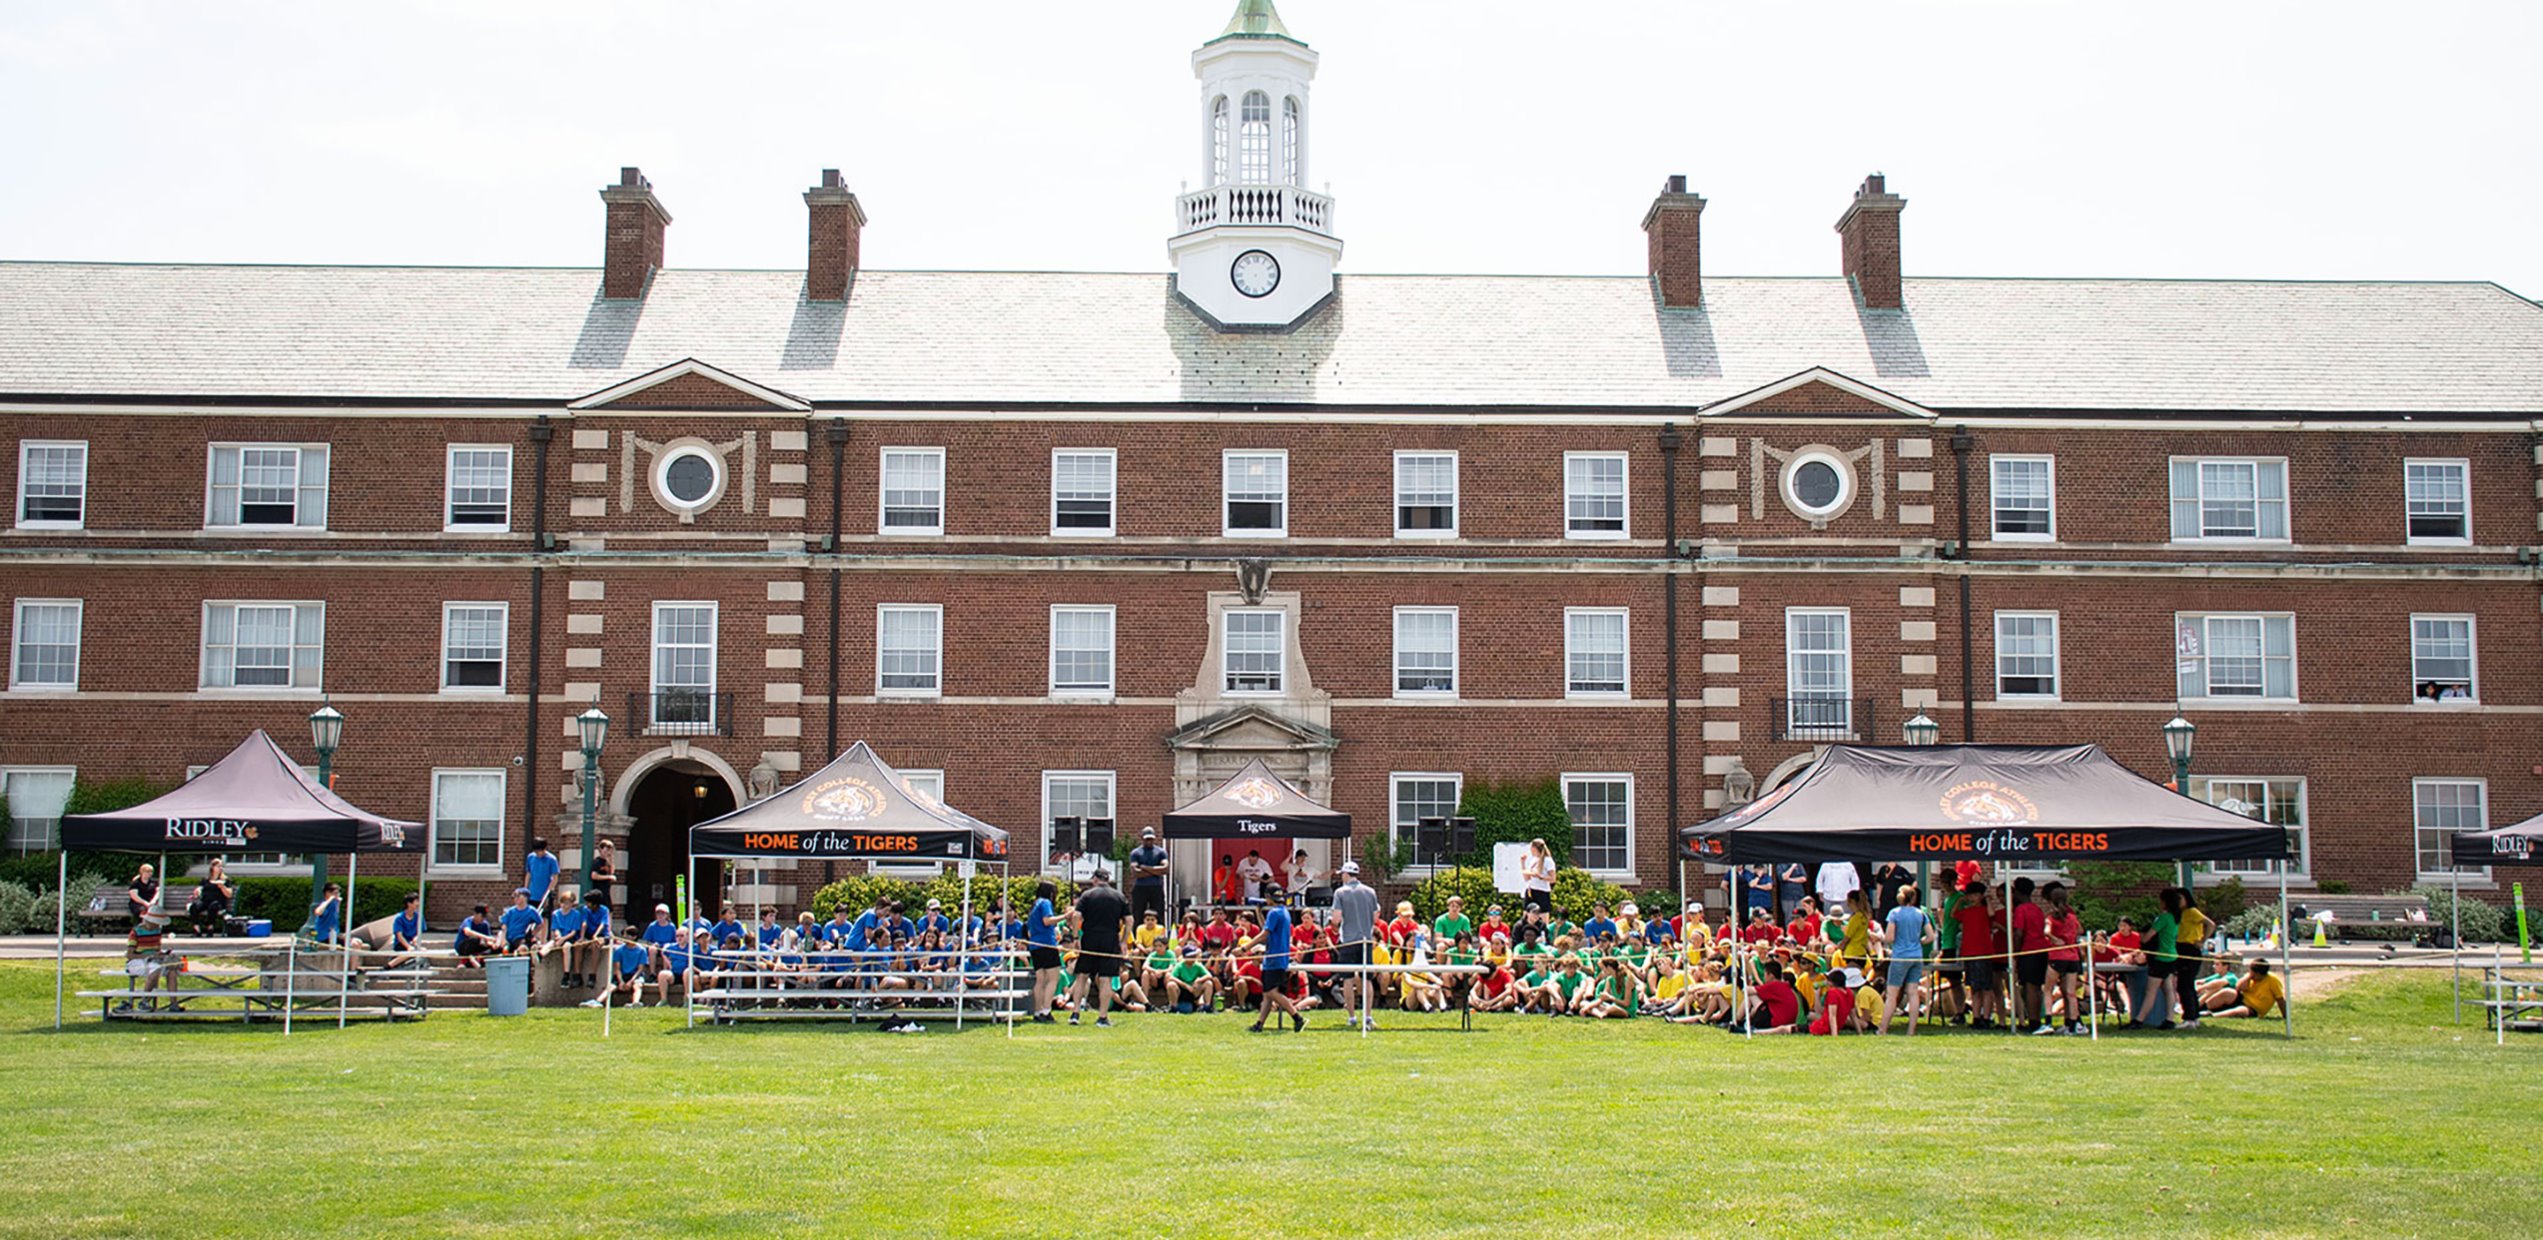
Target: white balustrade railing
x=1284, y=205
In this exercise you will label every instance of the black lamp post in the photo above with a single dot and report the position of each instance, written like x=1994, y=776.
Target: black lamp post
x=326, y=731
x=1922, y=730
x=593, y=726
x=2178, y=736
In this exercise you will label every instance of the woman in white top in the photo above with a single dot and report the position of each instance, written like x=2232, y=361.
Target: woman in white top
x=1536, y=875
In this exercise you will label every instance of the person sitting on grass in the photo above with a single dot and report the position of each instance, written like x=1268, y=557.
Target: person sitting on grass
x=477, y=939
x=2258, y=994
x=1805, y=924
x=520, y=922
x=1189, y=985
x=1570, y=989
x=1836, y=1011
x=1423, y=991
x=1666, y=993
x=1618, y=994
x=1155, y=966
x=1497, y=990
x=1777, y=1006
x=1708, y=997
x=1761, y=930
x=1245, y=976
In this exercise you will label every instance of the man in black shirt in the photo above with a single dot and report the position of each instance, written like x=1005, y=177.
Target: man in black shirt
x=1148, y=876
x=1103, y=919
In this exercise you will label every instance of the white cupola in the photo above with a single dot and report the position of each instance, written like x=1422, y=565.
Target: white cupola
x=1253, y=249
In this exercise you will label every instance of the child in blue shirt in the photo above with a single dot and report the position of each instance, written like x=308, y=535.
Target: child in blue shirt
x=627, y=963
x=520, y=922
x=328, y=915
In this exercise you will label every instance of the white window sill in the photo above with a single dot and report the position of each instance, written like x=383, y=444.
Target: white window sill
x=472, y=691
x=1254, y=693
x=1059, y=533
x=264, y=529
x=53, y=526
x=1426, y=535
x=2237, y=703
x=1597, y=695
x=2211, y=878
x=476, y=529
x=2022, y=538
x=2029, y=699
x=1425, y=695
x=906, y=533
x=466, y=871
x=2233, y=542
x=2407, y=542
x=1255, y=534
x=257, y=691
x=909, y=695
x=44, y=690
x=2445, y=704
x=2470, y=878
x=1597, y=535
x=1081, y=697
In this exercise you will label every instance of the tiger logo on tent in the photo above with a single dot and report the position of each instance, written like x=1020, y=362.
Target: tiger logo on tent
x=1256, y=793
x=1988, y=803
x=845, y=799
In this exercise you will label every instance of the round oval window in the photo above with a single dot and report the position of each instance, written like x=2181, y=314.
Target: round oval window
x=689, y=478
x=1817, y=485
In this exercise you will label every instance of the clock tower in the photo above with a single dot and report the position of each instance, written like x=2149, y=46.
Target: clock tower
x=1253, y=250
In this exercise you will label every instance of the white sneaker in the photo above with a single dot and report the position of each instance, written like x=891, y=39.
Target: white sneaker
x=591, y=1003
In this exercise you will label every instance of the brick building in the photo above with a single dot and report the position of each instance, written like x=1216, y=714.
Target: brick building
x=1083, y=543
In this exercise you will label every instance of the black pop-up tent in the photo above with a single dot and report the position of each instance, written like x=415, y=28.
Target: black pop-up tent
x=1257, y=802
x=2010, y=804
x=2515, y=844
x=855, y=808
x=255, y=799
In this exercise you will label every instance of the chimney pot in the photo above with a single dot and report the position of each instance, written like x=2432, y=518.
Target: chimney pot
x=837, y=224
x=632, y=241
x=1868, y=244
x=1677, y=261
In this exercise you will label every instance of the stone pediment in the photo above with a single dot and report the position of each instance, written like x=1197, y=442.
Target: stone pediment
x=1251, y=729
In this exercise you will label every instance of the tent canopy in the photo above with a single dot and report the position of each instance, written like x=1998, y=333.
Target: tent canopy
x=1257, y=802
x=256, y=799
x=2005, y=803
x=856, y=807
x=2517, y=844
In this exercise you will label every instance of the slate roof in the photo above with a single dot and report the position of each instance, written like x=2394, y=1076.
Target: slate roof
x=957, y=338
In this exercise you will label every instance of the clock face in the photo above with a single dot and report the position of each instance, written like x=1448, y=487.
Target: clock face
x=1256, y=273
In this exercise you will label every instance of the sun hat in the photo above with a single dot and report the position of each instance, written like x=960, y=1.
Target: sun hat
x=1629, y=910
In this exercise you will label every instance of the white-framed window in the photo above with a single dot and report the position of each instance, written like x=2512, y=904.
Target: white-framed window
x=1073, y=794
x=1594, y=501
x=1081, y=650
x=52, y=484
x=1425, y=495
x=468, y=820
x=2236, y=656
x=2443, y=661
x=1290, y=171
x=1256, y=650
x=37, y=796
x=477, y=491
x=930, y=785
x=1218, y=141
x=2274, y=800
x=1819, y=670
x=260, y=486
x=1602, y=810
x=1254, y=492
x=684, y=665
x=1253, y=139
x=1082, y=492
x=44, y=644
x=2437, y=503
x=1595, y=663
x=1425, y=652
x=913, y=491
x=474, y=640
x=909, y=650
x=2023, y=495
x=1415, y=795
x=2440, y=808
x=263, y=645
x=2026, y=654
x=2236, y=499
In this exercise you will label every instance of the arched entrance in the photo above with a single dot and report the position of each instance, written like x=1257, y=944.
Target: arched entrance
x=664, y=802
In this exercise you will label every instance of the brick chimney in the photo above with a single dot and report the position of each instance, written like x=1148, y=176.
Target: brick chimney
x=632, y=244
x=837, y=225
x=1677, y=263
x=1868, y=235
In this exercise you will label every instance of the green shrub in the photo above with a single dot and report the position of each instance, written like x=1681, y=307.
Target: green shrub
x=1430, y=896
x=2483, y=923
x=2227, y=900
x=1575, y=891
x=284, y=899
x=98, y=796
x=2252, y=922
x=1515, y=813
x=18, y=909
x=858, y=893
x=2105, y=891
x=38, y=870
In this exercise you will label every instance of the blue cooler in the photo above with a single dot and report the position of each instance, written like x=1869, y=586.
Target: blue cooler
x=259, y=927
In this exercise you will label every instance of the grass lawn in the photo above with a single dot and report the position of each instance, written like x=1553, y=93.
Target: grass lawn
x=2382, y=1119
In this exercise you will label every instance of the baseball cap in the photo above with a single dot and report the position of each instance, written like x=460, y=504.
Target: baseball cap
x=1629, y=910
x=1350, y=867
x=1147, y=833
x=935, y=904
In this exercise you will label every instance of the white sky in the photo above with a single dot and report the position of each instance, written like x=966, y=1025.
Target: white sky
x=2302, y=140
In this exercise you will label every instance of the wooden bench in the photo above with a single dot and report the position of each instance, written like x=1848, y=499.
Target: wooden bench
x=2401, y=917
x=110, y=908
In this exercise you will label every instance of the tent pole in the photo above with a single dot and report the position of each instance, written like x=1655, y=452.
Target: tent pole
x=961, y=983
x=344, y=919
x=2012, y=985
x=2092, y=988
x=688, y=984
x=61, y=936
x=291, y=976
x=2286, y=935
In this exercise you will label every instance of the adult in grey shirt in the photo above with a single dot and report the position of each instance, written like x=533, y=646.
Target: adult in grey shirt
x=1356, y=903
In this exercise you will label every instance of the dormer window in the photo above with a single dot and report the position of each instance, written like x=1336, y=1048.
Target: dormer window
x=1253, y=140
